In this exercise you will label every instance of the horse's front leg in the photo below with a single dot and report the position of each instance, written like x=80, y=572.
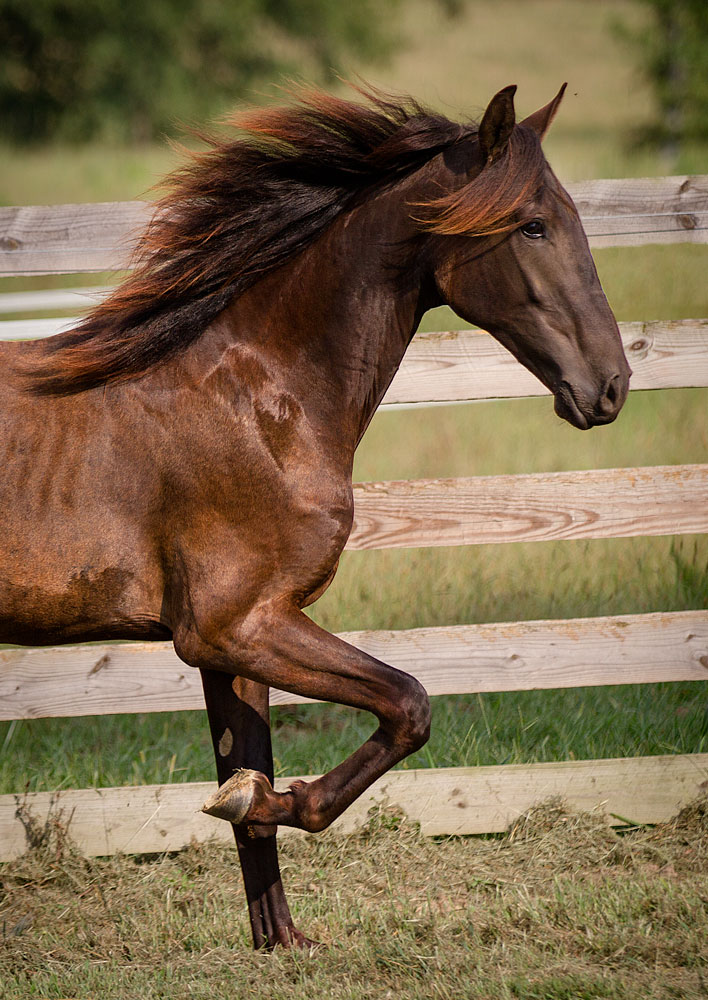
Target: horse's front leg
x=281, y=647
x=240, y=729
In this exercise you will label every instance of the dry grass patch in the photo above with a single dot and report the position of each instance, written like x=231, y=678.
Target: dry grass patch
x=561, y=906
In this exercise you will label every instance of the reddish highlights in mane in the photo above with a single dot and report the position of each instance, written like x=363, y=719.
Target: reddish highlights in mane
x=244, y=207
x=492, y=201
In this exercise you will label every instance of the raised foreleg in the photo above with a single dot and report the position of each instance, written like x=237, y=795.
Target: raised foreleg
x=279, y=646
x=240, y=729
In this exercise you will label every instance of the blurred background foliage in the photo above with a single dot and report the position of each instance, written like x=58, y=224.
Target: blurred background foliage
x=126, y=69
x=672, y=51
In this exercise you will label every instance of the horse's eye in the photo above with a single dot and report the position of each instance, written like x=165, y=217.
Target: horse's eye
x=534, y=229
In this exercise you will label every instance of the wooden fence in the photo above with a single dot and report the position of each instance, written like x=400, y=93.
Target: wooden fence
x=438, y=368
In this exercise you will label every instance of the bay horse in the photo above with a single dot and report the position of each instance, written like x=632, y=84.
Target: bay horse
x=179, y=465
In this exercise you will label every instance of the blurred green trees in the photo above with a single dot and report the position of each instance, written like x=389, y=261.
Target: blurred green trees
x=126, y=69
x=673, y=49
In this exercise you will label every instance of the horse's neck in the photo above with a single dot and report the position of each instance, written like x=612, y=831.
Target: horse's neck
x=332, y=326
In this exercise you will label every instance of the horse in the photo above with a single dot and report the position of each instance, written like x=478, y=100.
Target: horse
x=179, y=465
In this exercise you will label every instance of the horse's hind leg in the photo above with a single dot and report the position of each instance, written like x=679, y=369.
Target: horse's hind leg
x=240, y=730
x=280, y=646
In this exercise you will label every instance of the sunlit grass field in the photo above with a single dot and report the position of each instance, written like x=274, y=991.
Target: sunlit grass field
x=559, y=908
x=458, y=66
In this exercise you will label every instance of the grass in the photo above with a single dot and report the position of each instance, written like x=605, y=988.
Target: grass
x=468, y=730
x=559, y=908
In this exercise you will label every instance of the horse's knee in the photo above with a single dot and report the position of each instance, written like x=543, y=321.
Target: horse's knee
x=412, y=728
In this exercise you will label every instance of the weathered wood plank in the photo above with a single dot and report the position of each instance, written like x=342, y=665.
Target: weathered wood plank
x=649, y=229
x=56, y=239
x=597, y=503
x=52, y=298
x=461, y=659
x=99, y=237
x=615, y=196
x=637, y=211
x=35, y=329
x=463, y=800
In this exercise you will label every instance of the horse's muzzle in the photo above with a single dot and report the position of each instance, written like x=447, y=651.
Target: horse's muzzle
x=578, y=408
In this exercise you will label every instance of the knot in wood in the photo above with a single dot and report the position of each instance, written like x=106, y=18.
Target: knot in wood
x=687, y=221
x=9, y=243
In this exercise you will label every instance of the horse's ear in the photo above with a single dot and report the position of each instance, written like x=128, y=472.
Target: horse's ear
x=540, y=121
x=497, y=124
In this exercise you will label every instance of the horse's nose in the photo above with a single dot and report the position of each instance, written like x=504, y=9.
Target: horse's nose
x=613, y=395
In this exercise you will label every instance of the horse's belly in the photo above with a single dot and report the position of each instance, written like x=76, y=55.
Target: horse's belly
x=90, y=604
x=66, y=580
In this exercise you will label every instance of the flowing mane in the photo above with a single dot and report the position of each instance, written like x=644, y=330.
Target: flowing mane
x=242, y=208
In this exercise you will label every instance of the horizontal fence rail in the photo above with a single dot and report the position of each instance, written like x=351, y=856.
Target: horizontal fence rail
x=455, y=800
x=36, y=329
x=59, y=239
x=597, y=503
x=64, y=239
x=464, y=365
x=460, y=659
x=44, y=299
x=636, y=211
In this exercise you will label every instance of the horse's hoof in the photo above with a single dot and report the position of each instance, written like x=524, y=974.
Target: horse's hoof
x=293, y=939
x=232, y=800
x=306, y=944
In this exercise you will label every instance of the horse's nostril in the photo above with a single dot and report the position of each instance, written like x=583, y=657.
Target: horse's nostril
x=609, y=400
x=612, y=390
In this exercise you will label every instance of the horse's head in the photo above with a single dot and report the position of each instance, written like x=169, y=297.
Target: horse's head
x=512, y=258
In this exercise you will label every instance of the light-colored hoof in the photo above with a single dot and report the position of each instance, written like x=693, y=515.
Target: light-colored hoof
x=232, y=800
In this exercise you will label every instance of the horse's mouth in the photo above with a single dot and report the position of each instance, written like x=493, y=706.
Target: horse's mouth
x=566, y=407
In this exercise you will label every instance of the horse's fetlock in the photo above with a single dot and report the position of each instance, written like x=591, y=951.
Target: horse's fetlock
x=307, y=810
x=313, y=821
